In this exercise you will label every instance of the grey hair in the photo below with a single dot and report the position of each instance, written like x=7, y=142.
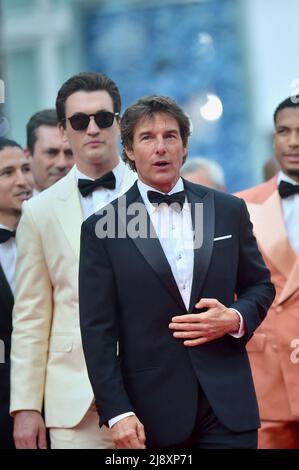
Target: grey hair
x=215, y=170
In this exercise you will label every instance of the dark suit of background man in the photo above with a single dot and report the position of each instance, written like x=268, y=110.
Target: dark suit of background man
x=138, y=291
x=16, y=183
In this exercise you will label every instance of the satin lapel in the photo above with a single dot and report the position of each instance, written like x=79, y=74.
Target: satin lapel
x=6, y=295
x=269, y=229
x=205, y=224
x=150, y=247
x=69, y=211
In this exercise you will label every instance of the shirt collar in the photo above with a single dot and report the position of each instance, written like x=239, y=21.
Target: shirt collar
x=5, y=227
x=283, y=177
x=144, y=188
x=118, y=172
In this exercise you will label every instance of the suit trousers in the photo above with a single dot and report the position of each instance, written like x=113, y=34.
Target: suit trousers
x=279, y=435
x=86, y=435
x=6, y=421
x=210, y=433
x=6, y=429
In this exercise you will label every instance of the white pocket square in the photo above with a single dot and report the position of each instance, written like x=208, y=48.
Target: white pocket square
x=225, y=237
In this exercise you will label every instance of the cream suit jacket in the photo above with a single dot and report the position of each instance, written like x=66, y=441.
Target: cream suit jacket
x=47, y=357
x=274, y=361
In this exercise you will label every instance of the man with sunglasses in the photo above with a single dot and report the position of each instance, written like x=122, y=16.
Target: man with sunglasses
x=48, y=365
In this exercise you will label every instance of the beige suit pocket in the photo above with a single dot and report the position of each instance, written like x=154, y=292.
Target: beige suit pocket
x=257, y=343
x=60, y=343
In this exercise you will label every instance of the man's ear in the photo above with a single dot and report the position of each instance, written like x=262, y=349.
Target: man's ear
x=130, y=154
x=118, y=125
x=62, y=131
x=185, y=155
x=27, y=153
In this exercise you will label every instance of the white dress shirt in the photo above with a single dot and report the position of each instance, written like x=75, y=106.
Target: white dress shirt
x=8, y=259
x=175, y=233
x=290, y=208
x=100, y=196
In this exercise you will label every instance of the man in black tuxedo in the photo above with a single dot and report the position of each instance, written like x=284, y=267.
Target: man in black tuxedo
x=16, y=183
x=188, y=254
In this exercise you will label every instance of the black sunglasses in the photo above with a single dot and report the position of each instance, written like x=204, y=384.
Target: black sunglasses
x=103, y=119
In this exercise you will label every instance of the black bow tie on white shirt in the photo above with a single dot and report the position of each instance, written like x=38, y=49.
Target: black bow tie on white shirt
x=286, y=189
x=158, y=198
x=86, y=187
x=5, y=234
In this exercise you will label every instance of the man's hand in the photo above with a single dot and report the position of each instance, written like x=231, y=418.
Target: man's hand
x=199, y=328
x=128, y=433
x=29, y=430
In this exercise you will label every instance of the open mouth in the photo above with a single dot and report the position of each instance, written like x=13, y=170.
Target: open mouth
x=161, y=163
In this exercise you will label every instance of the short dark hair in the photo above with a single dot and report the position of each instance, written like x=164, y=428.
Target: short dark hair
x=45, y=117
x=87, y=81
x=147, y=107
x=291, y=102
x=8, y=143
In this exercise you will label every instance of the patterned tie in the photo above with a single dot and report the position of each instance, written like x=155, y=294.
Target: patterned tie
x=86, y=187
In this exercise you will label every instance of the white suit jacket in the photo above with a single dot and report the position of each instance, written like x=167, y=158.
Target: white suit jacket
x=47, y=361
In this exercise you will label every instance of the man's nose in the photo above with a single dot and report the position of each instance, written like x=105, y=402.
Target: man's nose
x=92, y=128
x=21, y=178
x=160, y=146
x=294, y=139
x=61, y=160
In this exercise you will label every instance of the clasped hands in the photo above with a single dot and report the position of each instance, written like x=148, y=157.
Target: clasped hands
x=199, y=328
x=194, y=329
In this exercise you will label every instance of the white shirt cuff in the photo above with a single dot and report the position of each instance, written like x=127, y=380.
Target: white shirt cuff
x=241, y=331
x=117, y=418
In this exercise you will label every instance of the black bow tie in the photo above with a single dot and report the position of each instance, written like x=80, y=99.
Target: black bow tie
x=86, y=187
x=287, y=189
x=5, y=235
x=158, y=198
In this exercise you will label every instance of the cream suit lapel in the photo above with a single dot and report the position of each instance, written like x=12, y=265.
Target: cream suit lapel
x=129, y=179
x=68, y=210
x=270, y=231
x=68, y=207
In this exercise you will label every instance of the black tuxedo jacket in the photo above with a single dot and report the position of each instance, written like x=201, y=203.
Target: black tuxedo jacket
x=128, y=295
x=6, y=306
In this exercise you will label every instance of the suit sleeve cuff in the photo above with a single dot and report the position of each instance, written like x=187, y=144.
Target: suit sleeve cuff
x=241, y=331
x=117, y=418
